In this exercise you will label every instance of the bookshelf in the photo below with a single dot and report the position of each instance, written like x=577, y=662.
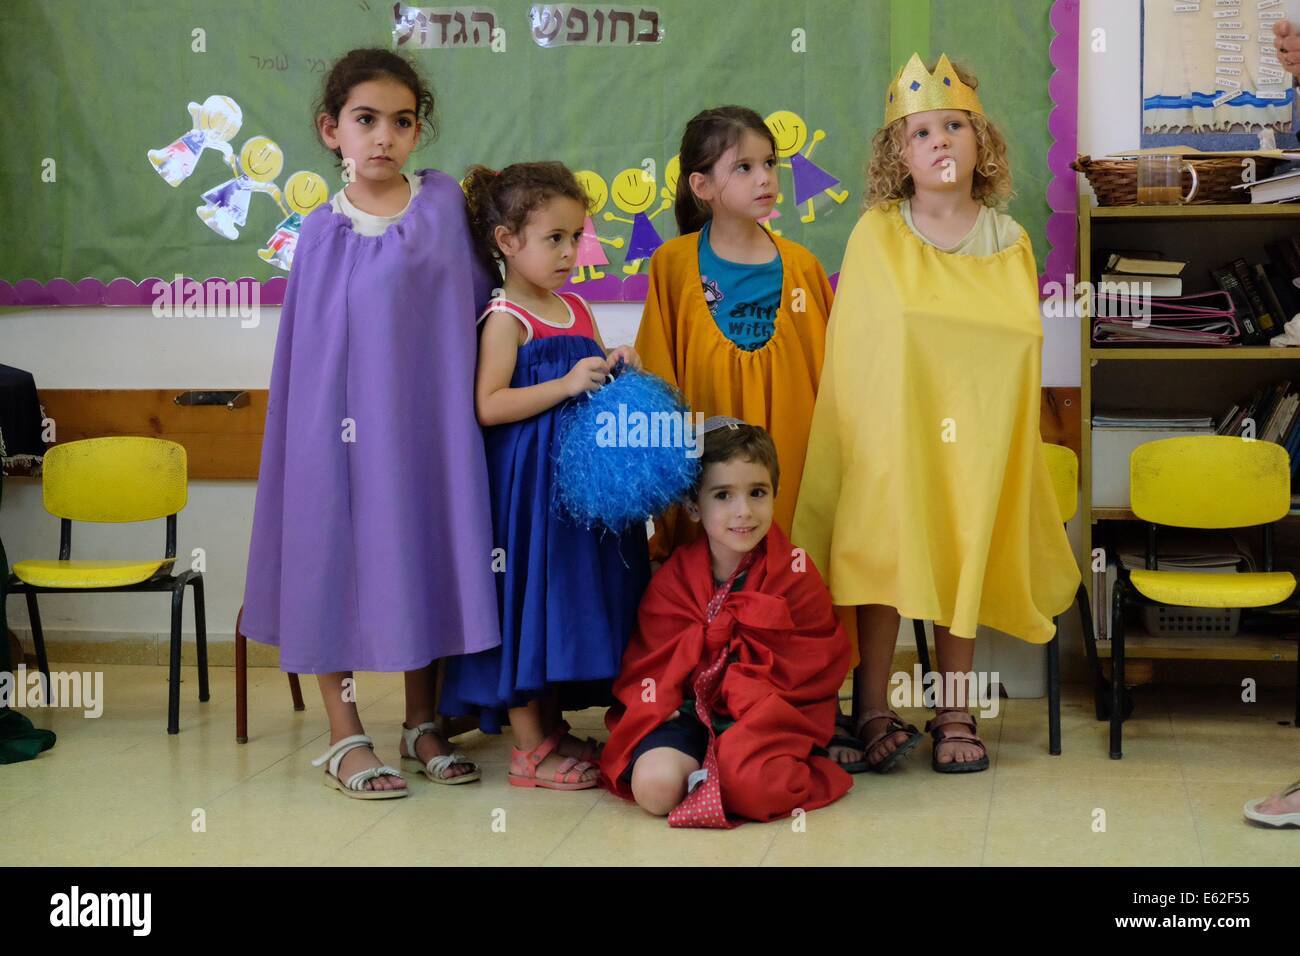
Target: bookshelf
x=1159, y=378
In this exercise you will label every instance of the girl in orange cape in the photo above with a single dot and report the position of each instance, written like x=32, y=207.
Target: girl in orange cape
x=735, y=316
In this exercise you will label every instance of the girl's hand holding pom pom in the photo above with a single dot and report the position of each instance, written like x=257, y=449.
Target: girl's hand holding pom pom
x=612, y=468
x=625, y=354
x=587, y=375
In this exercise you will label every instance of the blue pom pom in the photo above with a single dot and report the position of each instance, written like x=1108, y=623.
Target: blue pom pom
x=624, y=453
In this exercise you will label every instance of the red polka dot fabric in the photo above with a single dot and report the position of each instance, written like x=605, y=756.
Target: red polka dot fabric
x=702, y=807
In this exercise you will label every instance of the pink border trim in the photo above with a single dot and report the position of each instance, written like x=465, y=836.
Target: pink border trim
x=91, y=292
x=1063, y=125
x=1062, y=198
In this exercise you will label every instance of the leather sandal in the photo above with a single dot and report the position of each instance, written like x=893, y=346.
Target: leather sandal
x=895, y=725
x=355, y=785
x=569, y=776
x=438, y=765
x=845, y=737
x=955, y=715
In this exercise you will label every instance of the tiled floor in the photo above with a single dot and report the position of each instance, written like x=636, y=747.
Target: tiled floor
x=119, y=790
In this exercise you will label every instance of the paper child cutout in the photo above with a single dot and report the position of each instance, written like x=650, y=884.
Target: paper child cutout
x=791, y=133
x=226, y=206
x=303, y=191
x=634, y=192
x=590, y=254
x=672, y=172
x=215, y=124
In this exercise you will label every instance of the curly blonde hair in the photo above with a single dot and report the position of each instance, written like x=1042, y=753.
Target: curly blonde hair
x=889, y=181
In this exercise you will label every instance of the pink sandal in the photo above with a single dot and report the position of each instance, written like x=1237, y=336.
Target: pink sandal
x=524, y=764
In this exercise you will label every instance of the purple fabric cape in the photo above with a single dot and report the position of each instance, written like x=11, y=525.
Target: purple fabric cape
x=375, y=553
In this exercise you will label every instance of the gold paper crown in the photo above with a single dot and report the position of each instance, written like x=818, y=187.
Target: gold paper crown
x=916, y=90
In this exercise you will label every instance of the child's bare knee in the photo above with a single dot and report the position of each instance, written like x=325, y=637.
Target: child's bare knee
x=658, y=785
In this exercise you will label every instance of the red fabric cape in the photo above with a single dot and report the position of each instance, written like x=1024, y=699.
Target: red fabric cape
x=789, y=658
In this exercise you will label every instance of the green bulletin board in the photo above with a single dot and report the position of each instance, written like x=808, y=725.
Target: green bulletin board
x=90, y=89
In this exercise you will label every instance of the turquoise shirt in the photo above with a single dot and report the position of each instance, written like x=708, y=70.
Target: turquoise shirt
x=743, y=298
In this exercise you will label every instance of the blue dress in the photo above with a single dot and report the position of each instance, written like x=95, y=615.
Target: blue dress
x=567, y=596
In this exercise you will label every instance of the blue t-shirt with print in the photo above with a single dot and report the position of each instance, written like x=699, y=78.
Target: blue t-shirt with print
x=743, y=299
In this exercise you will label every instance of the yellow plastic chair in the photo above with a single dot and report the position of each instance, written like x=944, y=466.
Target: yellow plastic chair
x=116, y=480
x=1203, y=482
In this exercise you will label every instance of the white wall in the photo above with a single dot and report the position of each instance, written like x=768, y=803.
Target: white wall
x=130, y=348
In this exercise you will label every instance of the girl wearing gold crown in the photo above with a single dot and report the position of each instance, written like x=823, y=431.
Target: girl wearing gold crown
x=925, y=491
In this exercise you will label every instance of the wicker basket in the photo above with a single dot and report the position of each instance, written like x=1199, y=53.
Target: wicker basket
x=1115, y=180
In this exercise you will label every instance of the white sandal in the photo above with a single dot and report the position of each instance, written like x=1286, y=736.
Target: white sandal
x=355, y=785
x=1253, y=812
x=437, y=767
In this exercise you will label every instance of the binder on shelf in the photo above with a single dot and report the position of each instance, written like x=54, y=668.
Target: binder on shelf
x=1206, y=318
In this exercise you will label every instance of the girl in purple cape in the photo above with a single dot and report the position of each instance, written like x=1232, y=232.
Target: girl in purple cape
x=372, y=530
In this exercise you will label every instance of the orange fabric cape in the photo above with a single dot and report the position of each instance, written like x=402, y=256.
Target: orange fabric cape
x=775, y=386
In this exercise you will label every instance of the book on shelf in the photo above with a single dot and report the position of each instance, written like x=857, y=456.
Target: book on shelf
x=1268, y=324
x=1280, y=188
x=1284, y=290
x=1275, y=413
x=1285, y=254
x=1269, y=288
x=1146, y=419
x=1137, y=262
x=1233, y=422
x=1264, y=410
x=1187, y=549
x=1206, y=318
x=1226, y=278
x=1156, y=284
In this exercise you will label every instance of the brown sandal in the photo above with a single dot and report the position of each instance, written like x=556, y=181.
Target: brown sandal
x=591, y=748
x=894, y=726
x=955, y=715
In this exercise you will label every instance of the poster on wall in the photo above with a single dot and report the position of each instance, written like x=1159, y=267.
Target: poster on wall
x=1211, y=77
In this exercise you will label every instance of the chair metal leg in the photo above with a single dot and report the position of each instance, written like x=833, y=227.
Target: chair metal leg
x=1117, y=674
x=241, y=682
x=174, y=674
x=201, y=636
x=1054, y=694
x=295, y=688
x=1099, y=688
x=922, y=648
x=38, y=639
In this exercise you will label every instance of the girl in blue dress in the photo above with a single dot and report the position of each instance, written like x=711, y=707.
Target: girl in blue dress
x=567, y=595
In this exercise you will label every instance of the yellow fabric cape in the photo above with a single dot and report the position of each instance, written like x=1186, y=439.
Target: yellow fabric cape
x=774, y=386
x=925, y=486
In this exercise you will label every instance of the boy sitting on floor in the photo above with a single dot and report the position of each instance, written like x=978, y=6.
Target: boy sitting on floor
x=737, y=629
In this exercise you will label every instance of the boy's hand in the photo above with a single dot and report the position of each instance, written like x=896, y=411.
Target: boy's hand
x=627, y=354
x=587, y=375
x=1287, y=42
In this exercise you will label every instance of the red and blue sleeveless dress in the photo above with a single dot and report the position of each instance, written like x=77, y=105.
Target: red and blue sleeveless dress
x=567, y=595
